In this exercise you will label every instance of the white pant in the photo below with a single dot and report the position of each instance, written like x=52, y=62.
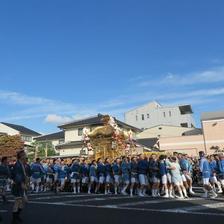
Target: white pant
x=206, y=181
x=143, y=180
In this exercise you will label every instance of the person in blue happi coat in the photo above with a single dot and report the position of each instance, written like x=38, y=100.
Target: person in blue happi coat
x=75, y=170
x=206, y=174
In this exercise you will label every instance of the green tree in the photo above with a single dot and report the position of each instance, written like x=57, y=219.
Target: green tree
x=41, y=150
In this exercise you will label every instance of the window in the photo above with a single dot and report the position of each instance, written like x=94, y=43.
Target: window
x=164, y=114
x=80, y=131
x=143, y=117
x=136, y=117
x=170, y=113
x=61, y=141
x=27, y=138
x=185, y=125
x=148, y=116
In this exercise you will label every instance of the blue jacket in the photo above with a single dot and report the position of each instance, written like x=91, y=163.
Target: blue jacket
x=125, y=168
x=84, y=170
x=221, y=166
x=143, y=166
x=116, y=169
x=4, y=172
x=37, y=170
x=163, y=168
x=62, y=171
x=75, y=170
x=154, y=168
x=185, y=165
x=101, y=169
x=205, y=168
x=93, y=171
x=18, y=173
x=108, y=169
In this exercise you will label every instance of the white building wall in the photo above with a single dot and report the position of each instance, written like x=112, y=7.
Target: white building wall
x=72, y=135
x=7, y=130
x=157, y=115
x=72, y=151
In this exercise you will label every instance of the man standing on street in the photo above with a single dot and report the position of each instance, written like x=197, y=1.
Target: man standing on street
x=19, y=186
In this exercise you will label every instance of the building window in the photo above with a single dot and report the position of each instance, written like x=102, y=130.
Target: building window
x=164, y=114
x=143, y=117
x=148, y=116
x=185, y=125
x=61, y=141
x=136, y=117
x=80, y=131
x=170, y=113
x=27, y=138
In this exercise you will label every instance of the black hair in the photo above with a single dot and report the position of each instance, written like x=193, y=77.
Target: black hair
x=20, y=154
x=4, y=159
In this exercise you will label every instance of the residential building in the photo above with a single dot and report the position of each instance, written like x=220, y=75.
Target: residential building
x=73, y=132
x=55, y=138
x=213, y=130
x=160, y=131
x=153, y=114
x=209, y=140
x=27, y=135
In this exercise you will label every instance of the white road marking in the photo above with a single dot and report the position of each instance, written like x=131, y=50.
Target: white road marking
x=67, y=196
x=155, y=202
x=131, y=209
x=199, y=207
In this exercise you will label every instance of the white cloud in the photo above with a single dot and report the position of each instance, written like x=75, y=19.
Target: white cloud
x=208, y=76
x=21, y=99
x=57, y=119
x=213, y=75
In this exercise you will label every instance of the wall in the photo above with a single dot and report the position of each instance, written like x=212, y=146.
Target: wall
x=163, y=131
x=156, y=116
x=72, y=135
x=8, y=130
x=185, y=144
x=70, y=151
x=213, y=133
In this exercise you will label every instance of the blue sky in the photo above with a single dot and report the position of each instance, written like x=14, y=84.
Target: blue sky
x=63, y=60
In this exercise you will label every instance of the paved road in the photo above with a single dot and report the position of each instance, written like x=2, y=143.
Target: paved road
x=68, y=208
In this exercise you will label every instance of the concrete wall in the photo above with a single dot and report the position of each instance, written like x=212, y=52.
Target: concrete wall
x=213, y=134
x=185, y=144
x=154, y=115
x=163, y=131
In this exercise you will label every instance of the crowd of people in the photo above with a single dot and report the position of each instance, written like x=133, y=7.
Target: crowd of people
x=156, y=175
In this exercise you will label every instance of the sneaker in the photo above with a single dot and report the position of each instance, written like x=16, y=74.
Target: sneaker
x=124, y=193
x=171, y=196
x=214, y=195
x=165, y=196
x=141, y=195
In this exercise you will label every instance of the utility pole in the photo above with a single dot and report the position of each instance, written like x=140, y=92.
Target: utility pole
x=46, y=150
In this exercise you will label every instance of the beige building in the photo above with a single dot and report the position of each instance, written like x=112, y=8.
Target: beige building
x=213, y=130
x=210, y=140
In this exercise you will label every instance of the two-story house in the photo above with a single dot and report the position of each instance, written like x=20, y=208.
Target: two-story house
x=54, y=138
x=27, y=135
x=73, y=132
